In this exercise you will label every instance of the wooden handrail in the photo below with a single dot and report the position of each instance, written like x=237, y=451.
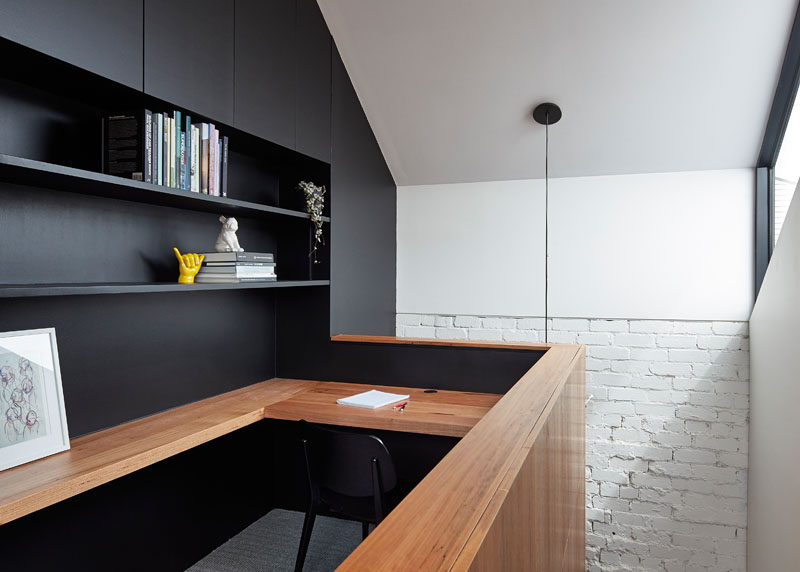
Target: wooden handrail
x=449, y=343
x=433, y=528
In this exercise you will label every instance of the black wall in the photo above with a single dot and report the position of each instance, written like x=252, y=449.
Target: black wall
x=364, y=211
x=305, y=351
x=72, y=31
x=126, y=356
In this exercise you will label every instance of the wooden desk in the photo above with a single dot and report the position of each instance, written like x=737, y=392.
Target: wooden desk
x=448, y=413
x=508, y=496
x=101, y=457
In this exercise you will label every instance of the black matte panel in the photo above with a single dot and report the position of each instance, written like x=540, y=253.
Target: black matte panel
x=55, y=237
x=130, y=355
x=313, y=82
x=265, y=69
x=185, y=506
x=161, y=518
x=188, y=55
x=364, y=211
x=101, y=36
x=45, y=127
x=305, y=351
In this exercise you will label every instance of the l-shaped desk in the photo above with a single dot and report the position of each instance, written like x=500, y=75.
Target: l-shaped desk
x=508, y=496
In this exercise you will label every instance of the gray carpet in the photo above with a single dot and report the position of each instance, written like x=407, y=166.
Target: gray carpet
x=271, y=543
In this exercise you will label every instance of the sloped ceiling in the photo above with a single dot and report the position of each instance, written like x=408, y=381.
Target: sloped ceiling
x=645, y=85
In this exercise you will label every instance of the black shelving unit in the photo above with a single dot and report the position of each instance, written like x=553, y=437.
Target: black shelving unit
x=30, y=290
x=47, y=175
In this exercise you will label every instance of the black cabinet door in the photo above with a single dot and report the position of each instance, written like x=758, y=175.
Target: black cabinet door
x=313, y=82
x=188, y=55
x=363, y=219
x=265, y=69
x=97, y=35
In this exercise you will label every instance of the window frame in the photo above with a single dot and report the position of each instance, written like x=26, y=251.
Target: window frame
x=780, y=112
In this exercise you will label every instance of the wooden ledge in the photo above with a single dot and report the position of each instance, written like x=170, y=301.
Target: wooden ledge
x=441, y=342
x=101, y=457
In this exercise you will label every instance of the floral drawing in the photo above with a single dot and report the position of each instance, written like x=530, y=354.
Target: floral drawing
x=20, y=400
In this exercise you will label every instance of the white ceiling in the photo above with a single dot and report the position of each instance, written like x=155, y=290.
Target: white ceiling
x=645, y=85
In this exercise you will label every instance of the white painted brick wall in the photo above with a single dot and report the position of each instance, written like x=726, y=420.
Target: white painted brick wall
x=666, y=438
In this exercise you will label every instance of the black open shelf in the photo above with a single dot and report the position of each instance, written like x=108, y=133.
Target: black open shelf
x=48, y=175
x=32, y=290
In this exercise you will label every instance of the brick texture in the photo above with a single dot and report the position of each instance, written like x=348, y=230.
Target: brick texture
x=666, y=436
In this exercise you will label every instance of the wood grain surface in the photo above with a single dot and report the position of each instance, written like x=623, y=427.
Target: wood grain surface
x=448, y=413
x=535, y=521
x=106, y=455
x=435, y=523
x=449, y=343
x=100, y=457
x=508, y=496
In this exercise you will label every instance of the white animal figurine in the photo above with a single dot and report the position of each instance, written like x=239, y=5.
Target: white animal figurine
x=227, y=241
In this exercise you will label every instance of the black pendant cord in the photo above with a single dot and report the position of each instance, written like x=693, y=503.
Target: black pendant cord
x=546, y=221
x=545, y=114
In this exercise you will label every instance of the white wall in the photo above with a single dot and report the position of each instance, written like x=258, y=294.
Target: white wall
x=774, y=485
x=666, y=438
x=471, y=248
x=656, y=246
x=675, y=246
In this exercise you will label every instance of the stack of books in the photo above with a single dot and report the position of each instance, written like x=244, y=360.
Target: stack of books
x=163, y=150
x=236, y=267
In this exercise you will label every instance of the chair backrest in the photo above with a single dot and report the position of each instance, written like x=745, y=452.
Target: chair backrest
x=342, y=462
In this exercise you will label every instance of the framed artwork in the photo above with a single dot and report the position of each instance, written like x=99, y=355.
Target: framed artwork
x=34, y=422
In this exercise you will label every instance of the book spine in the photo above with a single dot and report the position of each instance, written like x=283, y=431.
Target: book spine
x=173, y=150
x=183, y=161
x=159, y=145
x=231, y=264
x=103, y=166
x=212, y=161
x=193, y=161
x=168, y=149
x=219, y=167
x=176, y=134
x=148, y=146
x=204, y=158
x=253, y=257
x=238, y=257
x=124, y=146
x=187, y=153
x=154, y=150
x=225, y=166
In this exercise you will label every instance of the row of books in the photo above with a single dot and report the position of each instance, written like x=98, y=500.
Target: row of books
x=170, y=151
x=237, y=267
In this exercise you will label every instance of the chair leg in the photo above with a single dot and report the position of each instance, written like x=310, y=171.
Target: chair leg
x=364, y=530
x=305, y=537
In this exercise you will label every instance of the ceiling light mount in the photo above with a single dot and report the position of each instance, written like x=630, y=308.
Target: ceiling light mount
x=547, y=113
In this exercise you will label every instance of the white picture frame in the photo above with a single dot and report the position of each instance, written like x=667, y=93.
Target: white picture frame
x=33, y=419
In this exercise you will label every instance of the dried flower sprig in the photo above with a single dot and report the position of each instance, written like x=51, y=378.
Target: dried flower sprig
x=315, y=203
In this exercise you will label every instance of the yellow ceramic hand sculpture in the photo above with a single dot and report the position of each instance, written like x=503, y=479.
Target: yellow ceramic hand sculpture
x=189, y=265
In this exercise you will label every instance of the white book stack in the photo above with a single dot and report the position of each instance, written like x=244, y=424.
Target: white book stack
x=237, y=267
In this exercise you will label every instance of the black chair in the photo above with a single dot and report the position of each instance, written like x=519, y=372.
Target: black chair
x=349, y=475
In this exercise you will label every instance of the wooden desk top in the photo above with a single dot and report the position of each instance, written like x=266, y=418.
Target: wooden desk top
x=100, y=457
x=449, y=413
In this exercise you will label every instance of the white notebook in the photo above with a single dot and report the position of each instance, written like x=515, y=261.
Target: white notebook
x=371, y=399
